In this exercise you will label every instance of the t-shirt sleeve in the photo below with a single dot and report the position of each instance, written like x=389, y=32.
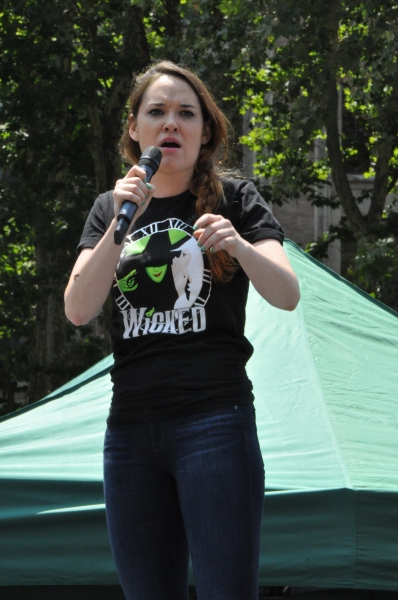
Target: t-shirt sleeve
x=251, y=215
x=98, y=221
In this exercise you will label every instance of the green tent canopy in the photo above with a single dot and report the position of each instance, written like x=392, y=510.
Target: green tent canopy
x=326, y=386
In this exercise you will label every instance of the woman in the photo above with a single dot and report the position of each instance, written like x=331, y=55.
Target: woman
x=183, y=470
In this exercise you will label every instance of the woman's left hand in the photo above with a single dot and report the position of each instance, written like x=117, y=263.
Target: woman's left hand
x=264, y=262
x=214, y=233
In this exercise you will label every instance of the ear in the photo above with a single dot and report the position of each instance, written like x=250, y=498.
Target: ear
x=206, y=135
x=133, y=129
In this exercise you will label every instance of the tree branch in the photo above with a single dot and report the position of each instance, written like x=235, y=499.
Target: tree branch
x=172, y=19
x=97, y=147
x=135, y=55
x=339, y=175
x=394, y=179
x=380, y=188
x=340, y=179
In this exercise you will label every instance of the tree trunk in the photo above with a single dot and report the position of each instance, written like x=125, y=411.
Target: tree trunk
x=97, y=145
x=361, y=225
x=48, y=367
x=9, y=387
x=172, y=18
x=333, y=144
x=380, y=188
x=48, y=363
x=106, y=130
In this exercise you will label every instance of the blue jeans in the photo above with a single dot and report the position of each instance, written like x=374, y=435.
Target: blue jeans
x=192, y=485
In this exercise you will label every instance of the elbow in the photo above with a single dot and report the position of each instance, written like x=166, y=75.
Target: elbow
x=75, y=317
x=293, y=301
x=78, y=310
x=77, y=321
x=289, y=299
x=290, y=307
x=80, y=315
x=74, y=314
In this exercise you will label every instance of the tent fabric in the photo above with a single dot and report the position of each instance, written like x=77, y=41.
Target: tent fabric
x=325, y=379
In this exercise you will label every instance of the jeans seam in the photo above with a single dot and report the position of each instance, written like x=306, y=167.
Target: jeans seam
x=251, y=488
x=175, y=542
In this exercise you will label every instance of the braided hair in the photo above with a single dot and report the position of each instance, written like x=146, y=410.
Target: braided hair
x=206, y=182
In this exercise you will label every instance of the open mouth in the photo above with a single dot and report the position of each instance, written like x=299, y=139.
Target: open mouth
x=170, y=145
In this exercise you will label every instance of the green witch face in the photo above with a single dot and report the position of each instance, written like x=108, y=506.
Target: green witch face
x=156, y=273
x=130, y=284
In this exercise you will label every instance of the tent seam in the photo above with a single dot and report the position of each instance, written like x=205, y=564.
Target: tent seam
x=356, y=538
x=320, y=391
x=338, y=453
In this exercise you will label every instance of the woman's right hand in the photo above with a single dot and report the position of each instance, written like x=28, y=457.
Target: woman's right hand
x=93, y=273
x=133, y=189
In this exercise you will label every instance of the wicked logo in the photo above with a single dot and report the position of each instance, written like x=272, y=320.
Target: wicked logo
x=161, y=281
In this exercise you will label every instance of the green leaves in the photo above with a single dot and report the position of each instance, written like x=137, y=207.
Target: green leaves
x=323, y=106
x=65, y=76
x=304, y=56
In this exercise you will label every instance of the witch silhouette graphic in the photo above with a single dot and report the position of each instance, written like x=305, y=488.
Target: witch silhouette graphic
x=162, y=271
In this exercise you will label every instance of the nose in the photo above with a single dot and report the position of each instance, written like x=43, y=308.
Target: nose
x=170, y=123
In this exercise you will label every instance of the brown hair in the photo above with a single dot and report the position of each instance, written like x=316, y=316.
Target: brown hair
x=206, y=182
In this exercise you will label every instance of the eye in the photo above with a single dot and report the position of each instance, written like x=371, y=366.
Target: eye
x=187, y=113
x=155, y=112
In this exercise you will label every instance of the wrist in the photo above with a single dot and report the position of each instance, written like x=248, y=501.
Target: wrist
x=242, y=249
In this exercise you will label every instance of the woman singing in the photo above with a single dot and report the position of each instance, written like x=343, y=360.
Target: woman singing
x=183, y=472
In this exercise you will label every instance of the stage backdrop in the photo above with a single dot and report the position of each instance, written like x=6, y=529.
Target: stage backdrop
x=326, y=385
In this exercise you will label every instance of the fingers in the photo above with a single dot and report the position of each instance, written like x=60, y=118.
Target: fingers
x=178, y=276
x=133, y=189
x=174, y=267
x=177, y=269
x=135, y=171
x=214, y=233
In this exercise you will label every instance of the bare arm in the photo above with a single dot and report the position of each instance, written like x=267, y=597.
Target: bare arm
x=93, y=273
x=91, y=279
x=265, y=262
x=268, y=268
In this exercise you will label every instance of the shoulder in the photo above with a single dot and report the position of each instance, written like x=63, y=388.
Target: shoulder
x=102, y=211
x=104, y=203
x=98, y=221
x=248, y=211
x=241, y=192
x=236, y=187
x=241, y=195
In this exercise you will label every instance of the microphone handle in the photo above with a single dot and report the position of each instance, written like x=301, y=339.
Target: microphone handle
x=128, y=211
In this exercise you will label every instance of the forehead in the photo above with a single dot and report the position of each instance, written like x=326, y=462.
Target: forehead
x=170, y=89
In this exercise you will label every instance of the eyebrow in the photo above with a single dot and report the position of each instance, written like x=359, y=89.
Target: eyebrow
x=164, y=104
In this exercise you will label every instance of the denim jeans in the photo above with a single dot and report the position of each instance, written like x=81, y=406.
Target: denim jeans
x=192, y=485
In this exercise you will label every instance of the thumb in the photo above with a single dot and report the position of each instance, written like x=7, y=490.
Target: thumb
x=136, y=171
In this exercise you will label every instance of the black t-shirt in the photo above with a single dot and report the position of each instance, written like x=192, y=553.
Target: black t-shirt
x=177, y=336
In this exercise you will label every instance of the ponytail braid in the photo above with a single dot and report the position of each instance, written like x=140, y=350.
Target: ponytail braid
x=206, y=185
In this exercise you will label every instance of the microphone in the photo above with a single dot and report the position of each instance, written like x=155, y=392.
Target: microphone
x=149, y=161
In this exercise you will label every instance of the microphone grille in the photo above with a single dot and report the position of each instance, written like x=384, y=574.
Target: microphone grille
x=151, y=157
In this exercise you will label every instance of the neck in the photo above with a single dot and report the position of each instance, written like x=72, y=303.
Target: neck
x=171, y=185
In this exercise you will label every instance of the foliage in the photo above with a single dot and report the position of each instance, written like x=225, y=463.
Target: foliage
x=324, y=106
x=65, y=75
x=60, y=121
x=17, y=293
x=375, y=266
